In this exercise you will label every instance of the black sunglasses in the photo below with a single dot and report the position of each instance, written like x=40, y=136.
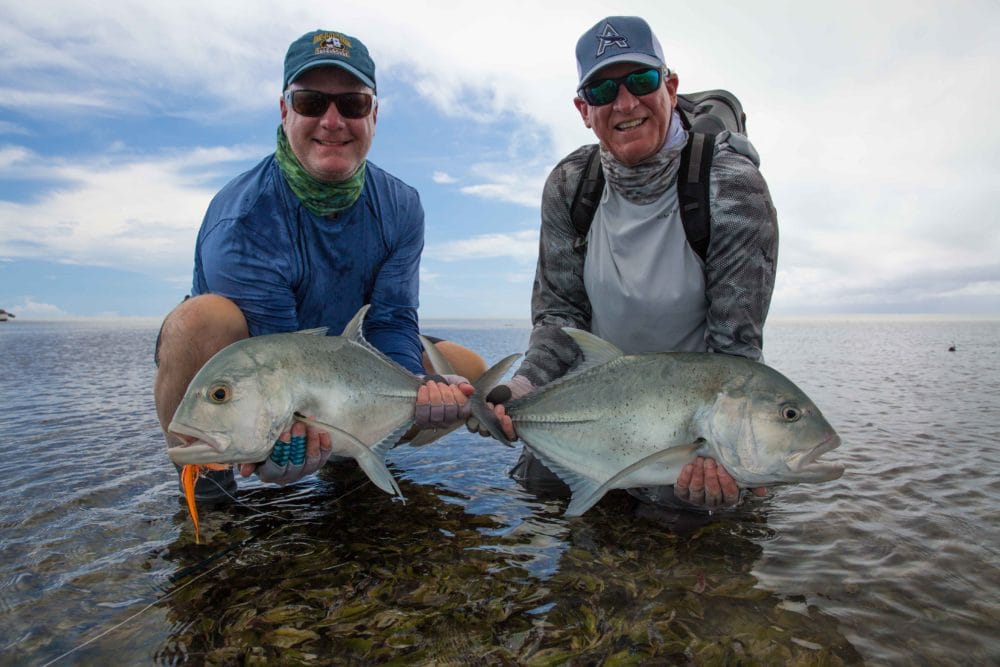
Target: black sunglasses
x=605, y=91
x=314, y=103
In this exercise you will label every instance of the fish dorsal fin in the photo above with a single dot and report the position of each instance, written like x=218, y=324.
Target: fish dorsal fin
x=318, y=331
x=439, y=364
x=353, y=332
x=596, y=351
x=353, y=329
x=587, y=494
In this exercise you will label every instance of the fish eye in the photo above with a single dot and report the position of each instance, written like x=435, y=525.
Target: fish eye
x=790, y=412
x=220, y=393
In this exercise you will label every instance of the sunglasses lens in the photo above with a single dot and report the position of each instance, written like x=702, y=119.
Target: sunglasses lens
x=309, y=103
x=313, y=103
x=353, y=105
x=643, y=82
x=601, y=92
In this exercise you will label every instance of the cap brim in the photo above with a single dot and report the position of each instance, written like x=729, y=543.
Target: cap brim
x=638, y=58
x=350, y=69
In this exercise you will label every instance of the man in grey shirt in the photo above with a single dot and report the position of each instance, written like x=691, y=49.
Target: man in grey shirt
x=636, y=282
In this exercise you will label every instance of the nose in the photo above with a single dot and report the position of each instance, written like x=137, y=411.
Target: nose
x=625, y=101
x=332, y=118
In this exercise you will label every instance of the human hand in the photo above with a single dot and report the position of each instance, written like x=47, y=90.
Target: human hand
x=705, y=483
x=441, y=401
x=517, y=387
x=300, y=451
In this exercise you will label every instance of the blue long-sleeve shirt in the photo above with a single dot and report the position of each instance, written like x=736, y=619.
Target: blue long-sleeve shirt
x=288, y=269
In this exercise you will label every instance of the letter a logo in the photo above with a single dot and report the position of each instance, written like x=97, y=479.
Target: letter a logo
x=609, y=37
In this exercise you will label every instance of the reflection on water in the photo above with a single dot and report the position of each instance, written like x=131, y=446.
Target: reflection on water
x=898, y=558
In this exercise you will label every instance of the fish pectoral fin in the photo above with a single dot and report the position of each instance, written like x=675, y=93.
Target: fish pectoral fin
x=675, y=457
x=370, y=459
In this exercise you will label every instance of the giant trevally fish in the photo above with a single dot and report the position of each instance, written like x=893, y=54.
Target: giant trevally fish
x=623, y=421
x=250, y=392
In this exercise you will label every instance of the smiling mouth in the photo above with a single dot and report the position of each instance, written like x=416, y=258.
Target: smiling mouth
x=629, y=124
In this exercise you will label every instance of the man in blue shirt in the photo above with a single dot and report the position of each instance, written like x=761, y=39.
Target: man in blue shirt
x=304, y=239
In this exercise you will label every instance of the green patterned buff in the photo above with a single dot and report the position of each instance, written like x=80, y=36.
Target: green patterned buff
x=320, y=198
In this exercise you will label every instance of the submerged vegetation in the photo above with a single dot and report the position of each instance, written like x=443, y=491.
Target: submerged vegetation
x=364, y=580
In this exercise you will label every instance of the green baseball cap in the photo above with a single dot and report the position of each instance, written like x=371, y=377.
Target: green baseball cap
x=329, y=48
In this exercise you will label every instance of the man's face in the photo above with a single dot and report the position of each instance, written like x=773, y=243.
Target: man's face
x=330, y=147
x=632, y=128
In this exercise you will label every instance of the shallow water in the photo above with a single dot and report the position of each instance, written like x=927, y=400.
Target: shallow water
x=896, y=562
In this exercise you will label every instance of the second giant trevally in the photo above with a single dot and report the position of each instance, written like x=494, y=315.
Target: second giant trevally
x=250, y=392
x=623, y=421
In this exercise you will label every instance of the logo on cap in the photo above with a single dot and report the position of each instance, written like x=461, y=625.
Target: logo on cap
x=331, y=42
x=610, y=37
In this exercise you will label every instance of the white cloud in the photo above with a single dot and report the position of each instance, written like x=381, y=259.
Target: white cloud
x=139, y=214
x=873, y=120
x=30, y=309
x=519, y=246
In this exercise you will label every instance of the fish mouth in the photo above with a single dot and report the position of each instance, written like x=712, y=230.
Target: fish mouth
x=809, y=468
x=204, y=449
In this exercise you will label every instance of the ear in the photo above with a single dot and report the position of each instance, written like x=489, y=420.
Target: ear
x=671, y=84
x=584, y=110
x=283, y=107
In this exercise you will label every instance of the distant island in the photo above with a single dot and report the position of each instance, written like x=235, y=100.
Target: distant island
x=4, y=315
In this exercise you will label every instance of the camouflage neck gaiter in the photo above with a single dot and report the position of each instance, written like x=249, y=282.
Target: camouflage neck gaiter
x=320, y=198
x=646, y=182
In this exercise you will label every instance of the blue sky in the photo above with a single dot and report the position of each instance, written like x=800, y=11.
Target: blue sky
x=874, y=121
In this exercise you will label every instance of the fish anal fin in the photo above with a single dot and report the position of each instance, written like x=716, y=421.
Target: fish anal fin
x=587, y=492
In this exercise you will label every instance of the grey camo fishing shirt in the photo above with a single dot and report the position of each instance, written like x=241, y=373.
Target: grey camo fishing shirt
x=739, y=267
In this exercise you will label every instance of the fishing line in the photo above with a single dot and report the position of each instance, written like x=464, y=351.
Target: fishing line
x=132, y=617
x=187, y=572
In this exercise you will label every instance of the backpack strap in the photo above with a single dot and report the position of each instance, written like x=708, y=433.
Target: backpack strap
x=587, y=197
x=693, y=190
x=692, y=193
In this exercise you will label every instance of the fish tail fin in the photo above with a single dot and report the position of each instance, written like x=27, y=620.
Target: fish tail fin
x=478, y=406
x=487, y=418
x=189, y=476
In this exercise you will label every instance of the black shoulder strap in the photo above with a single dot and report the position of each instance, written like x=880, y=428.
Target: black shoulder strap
x=587, y=196
x=692, y=192
x=693, y=188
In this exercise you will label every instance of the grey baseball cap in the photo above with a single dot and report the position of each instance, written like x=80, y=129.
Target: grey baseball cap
x=617, y=39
